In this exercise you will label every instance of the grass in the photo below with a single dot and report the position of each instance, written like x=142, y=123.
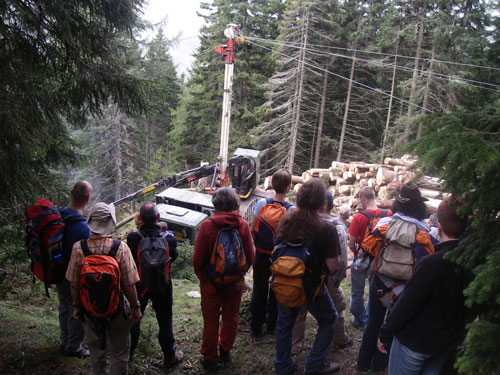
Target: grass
x=29, y=337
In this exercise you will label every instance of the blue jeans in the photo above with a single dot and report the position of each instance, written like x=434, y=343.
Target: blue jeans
x=357, y=305
x=263, y=305
x=404, y=361
x=325, y=314
x=369, y=356
x=162, y=305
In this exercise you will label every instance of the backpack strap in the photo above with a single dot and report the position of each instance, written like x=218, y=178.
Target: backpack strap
x=114, y=248
x=367, y=214
x=85, y=247
x=112, y=251
x=287, y=205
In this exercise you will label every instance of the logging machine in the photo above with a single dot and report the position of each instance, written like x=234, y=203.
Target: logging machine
x=185, y=210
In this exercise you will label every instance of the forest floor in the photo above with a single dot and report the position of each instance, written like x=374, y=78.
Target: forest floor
x=29, y=341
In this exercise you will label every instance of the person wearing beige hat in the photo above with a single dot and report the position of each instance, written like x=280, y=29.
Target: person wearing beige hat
x=101, y=222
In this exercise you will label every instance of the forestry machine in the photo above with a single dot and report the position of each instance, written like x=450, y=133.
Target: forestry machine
x=184, y=210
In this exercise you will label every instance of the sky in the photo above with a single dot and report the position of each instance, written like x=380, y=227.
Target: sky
x=182, y=19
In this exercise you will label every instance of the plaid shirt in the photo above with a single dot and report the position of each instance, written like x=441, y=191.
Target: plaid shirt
x=99, y=244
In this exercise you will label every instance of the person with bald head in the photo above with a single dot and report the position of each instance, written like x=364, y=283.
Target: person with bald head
x=76, y=229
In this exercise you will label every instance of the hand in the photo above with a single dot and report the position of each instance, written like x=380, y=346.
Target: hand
x=76, y=313
x=336, y=284
x=136, y=316
x=381, y=347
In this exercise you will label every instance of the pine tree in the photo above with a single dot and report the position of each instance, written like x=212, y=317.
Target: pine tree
x=60, y=60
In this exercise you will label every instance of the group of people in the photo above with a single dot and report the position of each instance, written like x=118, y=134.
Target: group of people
x=427, y=309
x=118, y=336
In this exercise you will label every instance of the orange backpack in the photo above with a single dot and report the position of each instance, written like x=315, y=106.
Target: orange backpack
x=100, y=282
x=267, y=223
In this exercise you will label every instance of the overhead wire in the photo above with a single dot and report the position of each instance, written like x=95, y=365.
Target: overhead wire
x=344, y=78
x=384, y=54
x=468, y=81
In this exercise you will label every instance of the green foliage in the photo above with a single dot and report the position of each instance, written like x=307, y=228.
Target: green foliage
x=60, y=59
x=463, y=148
x=182, y=268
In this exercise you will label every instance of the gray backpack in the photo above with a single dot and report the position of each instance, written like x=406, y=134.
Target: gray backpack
x=396, y=258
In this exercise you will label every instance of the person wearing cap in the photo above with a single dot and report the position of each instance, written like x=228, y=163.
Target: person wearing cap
x=76, y=229
x=341, y=337
x=101, y=222
x=428, y=320
x=162, y=300
x=408, y=206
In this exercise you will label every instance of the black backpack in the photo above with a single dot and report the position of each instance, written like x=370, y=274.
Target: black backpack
x=153, y=263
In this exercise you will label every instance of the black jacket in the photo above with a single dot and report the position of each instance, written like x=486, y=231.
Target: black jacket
x=430, y=315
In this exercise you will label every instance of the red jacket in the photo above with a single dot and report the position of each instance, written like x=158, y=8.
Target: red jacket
x=207, y=235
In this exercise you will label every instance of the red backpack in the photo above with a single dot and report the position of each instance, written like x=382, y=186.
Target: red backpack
x=100, y=282
x=45, y=231
x=266, y=224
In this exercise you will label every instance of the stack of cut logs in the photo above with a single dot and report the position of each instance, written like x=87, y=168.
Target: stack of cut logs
x=345, y=180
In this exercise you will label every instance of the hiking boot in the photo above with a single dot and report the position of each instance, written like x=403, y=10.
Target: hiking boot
x=356, y=324
x=80, y=353
x=256, y=333
x=173, y=360
x=347, y=344
x=328, y=368
x=224, y=355
x=210, y=366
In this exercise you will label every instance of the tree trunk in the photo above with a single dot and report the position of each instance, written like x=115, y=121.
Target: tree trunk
x=295, y=124
x=411, y=107
x=388, y=120
x=321, y=116
x=346, y=112
x=429, y=80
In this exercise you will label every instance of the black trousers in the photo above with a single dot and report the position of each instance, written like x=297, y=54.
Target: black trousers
x=263, y=305
x=162, y=305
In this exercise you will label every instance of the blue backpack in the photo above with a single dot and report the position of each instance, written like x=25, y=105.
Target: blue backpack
x=227, y=262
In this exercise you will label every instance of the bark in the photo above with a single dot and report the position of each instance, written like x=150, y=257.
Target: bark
x=301, y=68
x=346, y=112
x=321, y=116
x=388, y=120
x=411, y=107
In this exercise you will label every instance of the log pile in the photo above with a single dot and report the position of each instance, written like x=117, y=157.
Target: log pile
x=345, y=180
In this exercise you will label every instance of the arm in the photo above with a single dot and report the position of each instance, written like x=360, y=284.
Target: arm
x=412, y=300
x=172, y=245
x=332, y=264
x=248, y=245
x=131, y=294
x=201, y=249
x=352, y=244
x=342, y=268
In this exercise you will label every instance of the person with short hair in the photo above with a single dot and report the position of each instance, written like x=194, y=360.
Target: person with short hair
x=116, y=332
x=301, y=225
x=162, y=300
x=263, y=307
x=344, y=214
x=225, y=301
x=72, y=329
x=357, y=231
x=428, y=320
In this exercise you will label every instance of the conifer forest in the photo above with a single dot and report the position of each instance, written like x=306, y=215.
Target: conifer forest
x=84, y=96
